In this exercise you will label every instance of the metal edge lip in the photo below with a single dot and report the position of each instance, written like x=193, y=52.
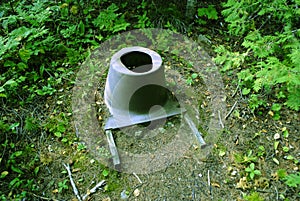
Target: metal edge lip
x=170, y=107
x=110, y=123
x=116, y=60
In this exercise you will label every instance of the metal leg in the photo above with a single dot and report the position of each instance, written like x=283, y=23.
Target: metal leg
x=114, y=151
x=112, y=148
x=194, y=129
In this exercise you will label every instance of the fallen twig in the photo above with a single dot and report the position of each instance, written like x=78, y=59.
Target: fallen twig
x=277, y=197
x=209, y=184
x=43, y=198
x=76, y=131
x=94, y=189
x=236, y=90
x=230, y=111
x=220, y=119
x=137, y=178
x=76, y=192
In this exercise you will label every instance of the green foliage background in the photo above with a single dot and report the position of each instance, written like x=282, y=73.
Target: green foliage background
x=268, y=58
x=42, y=44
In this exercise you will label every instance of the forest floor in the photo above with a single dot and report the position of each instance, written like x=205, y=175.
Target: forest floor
x=224, y=174
x=246, y=161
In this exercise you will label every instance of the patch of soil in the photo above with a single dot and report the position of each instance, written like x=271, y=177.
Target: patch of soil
x=220, y=175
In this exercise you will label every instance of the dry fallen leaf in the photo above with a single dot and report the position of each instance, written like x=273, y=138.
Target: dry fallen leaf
x=243, y=184
x=55, y=191
x=275, y=176
x=76, y=170
x=215, y=185
x=262, y=182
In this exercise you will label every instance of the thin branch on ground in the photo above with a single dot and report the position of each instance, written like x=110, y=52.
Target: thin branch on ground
x=4, y=150
x=220, y=119
x=277, y=197
x=231, y=110
x=94, y=189
x=76, y=192
x=137, y=178
x=236, y=90
x=209, y=184
x=43, y=198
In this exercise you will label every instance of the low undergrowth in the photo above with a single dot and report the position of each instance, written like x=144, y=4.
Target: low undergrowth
x=43, y=43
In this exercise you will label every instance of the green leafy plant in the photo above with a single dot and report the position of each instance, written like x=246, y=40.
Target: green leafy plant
x=191, y=79
x=230, y=60
x=34, y=57
x=276, y=109
x=271, y=67
x=261, y=151
x=254, y=196
x=292, y=180
x=252, y=171
x=105, y=172
x=81, y=146
x=249, y=158
x=281, y=173
x=63, y=186
x=209, y=13
x=15, y=173
x=57, y=125
x=143, y=19
x=111, y=21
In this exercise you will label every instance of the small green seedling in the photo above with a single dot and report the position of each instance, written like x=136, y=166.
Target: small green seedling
x=252, y=171
x=62, y=186
x=261, y=151
x=254, y=196
x=105, y=172
x=276, y=109
x=81, y=146
x=190, y=80
x=250, y=157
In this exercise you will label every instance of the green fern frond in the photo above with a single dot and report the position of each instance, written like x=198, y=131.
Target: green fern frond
x=293, y=101
x=30, y=124
x=295, y=57
x=257, y=84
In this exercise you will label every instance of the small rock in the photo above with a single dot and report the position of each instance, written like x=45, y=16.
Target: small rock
x=276, y=136
x=136, y=192
x=138, y=133
x=234, y=172
x=124, y=195
x=162, y=130
x=170, y=124
x=196, y=147
x=106, y=199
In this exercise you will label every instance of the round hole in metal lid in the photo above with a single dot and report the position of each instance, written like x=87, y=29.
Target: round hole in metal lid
x=138, y=62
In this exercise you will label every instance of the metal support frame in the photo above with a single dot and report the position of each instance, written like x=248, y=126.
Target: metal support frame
x=114, y=151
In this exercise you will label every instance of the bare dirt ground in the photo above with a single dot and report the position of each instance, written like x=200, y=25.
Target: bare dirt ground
x=247, y=138
x=223, y=174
